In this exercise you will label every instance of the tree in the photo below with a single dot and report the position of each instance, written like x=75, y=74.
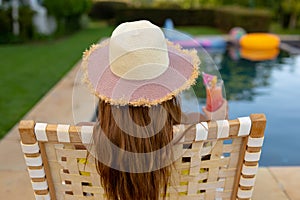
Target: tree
x=67, y=12
x=292, y=8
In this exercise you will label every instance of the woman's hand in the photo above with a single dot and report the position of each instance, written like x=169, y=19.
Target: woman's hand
x=191, y=118
x=221, y=113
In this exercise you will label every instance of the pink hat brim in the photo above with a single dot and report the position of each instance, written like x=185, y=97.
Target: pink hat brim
x=180, y=75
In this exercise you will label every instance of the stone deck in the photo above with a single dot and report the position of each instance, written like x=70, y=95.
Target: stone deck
x=273, y=183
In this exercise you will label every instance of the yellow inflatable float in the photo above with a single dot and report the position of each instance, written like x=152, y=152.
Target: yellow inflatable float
x=260, y=41
x=259, y=55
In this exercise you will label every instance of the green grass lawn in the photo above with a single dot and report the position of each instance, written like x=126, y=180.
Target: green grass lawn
x=28, y=71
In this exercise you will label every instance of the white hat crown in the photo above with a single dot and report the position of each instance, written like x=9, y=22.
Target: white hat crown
x=138, y=51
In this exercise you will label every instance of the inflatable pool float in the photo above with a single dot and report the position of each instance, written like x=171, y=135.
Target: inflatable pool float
x=260, y=41
x=235, y=34
x=212, y=42
x=205, y=42
x=259, y=55
x=188, y=41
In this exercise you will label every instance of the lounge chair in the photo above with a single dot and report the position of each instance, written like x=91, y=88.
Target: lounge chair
x=218, y=160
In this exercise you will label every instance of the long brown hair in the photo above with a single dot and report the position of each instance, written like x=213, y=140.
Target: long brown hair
x=136, y=130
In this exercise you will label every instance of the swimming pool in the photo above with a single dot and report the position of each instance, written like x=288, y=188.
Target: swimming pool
x=270, y=87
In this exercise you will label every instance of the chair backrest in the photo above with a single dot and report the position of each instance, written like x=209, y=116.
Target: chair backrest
x=218, y=160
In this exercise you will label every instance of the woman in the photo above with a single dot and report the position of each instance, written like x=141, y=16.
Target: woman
x=137, y=75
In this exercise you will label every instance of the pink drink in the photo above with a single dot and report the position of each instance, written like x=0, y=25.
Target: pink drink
x=214, y=98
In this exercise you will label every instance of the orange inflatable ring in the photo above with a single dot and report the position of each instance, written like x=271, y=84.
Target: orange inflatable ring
x=260, y=41
x=259, y=55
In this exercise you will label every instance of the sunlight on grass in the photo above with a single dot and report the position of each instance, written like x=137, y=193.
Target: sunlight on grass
x=28, y=71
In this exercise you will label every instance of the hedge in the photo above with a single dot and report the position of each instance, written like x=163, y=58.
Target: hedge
x=67, y=13
x=106, y=10
x=180, y=17
x=223, y=18
x=5, y=26
x=25, y=22
x=252, y=20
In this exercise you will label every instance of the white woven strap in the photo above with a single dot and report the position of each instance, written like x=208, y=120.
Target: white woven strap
x=255, y=142
x=63, y=133
x=36, y=173
x=181, y=128
x=247, y=182
x=34, y=161
x=244, y=194
x=87, y=134
x=223, y=128
x=251, y=157
x=249, y=170
x=42, y=197
x=201, y=131
x=245, y=126
x=40, y=131
x=39, y=185
x=30, y=148
x=176, y=129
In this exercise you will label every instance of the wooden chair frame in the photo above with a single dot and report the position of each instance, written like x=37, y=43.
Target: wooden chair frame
x=217, y=177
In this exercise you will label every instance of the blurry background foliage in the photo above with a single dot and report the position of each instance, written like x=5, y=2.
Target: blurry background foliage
x=67, y=13
x=253, y=15
x=26, y=25
x=279, y=16
x=291, y=9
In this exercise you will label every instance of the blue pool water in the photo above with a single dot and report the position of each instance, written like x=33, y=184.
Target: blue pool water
x=272, y=88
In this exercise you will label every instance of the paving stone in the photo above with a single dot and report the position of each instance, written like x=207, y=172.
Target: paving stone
x=266, y=187
x=59, y=105
x=13, y=134
x=15, y=185
x=289, y=180
x=11, y=156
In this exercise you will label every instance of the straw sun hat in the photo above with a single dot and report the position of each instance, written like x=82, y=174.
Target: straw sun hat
x=138, y=66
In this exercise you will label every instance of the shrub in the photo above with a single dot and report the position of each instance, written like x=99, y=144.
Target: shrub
x=252, y=20
x=67, y=13
x=5, y=26
x=223, y=18
x=181, y=17
x=25, y=23
x=106, y=10
x=167, y=5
